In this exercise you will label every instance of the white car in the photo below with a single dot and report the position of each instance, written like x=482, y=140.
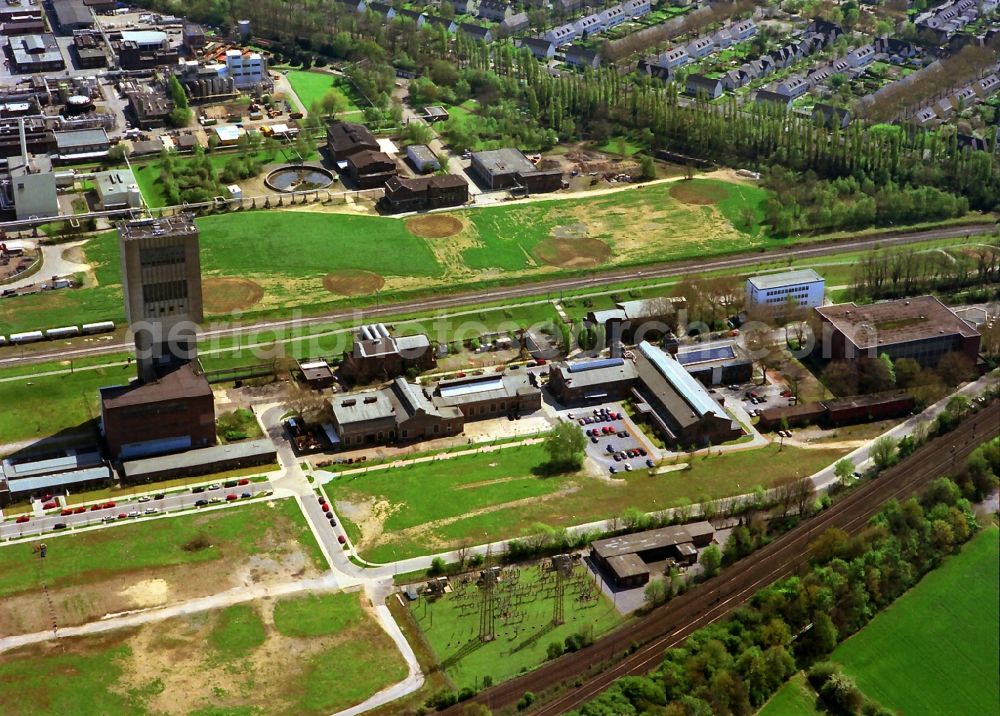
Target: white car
x=144, y=498
x=151, y=510
x=135, y=513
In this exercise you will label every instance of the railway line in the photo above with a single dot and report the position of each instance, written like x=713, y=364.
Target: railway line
x=669, y=625
x=499, y=294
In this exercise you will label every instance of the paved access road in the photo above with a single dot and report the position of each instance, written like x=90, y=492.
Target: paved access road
x=522, y=290
x=140, y=506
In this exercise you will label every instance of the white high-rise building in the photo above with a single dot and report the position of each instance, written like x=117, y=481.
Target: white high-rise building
x=248, y=70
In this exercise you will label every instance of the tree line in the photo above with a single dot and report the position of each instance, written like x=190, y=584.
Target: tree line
x=905, y=272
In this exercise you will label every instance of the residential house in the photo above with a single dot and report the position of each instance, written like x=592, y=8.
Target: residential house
x=703, y=46
x=563, y=34
x=515, y=24
x=441, y=23
x=613, y=17
x=832, y=116
x=543, y=49
x=465, y=7
x=495, y=10
x=925, y=117
x=637, y=8
x=589, y=25
x=986, y=86
x=734, y=79
x=723, y=38
x=743, y=30
x=701, y=86
x=942, y=108
x=383, y=10
x=476, y=32
x=672, y=59
x=792, y=87
x=417, y=18
x=582, y=57
x=772, y=98
x=964, y=98
x=861, y=56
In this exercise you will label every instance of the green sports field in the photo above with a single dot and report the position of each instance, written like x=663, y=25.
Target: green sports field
x=936, y=650
x=311, y=87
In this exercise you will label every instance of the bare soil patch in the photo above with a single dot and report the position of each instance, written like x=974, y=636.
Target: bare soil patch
x=698, y=193
x=353, y=282
x=224, y=295
x=434, y=226
x=572, y=253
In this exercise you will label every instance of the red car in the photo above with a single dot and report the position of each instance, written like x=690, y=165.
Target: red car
x=50, y=505
x=66, y=512
x=244, y=481
x=79, y=510
x=122, y=516
x=95, y=508
x=342, y=539
x=230, y=497
x=108, y=505
x=22, y=519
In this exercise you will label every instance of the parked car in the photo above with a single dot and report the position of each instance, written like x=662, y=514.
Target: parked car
x=151, y=510
x=649, y=463
x=245, y=495
x=342, y=539
x=229, y=483
x=618, y=457
x=230, y=497
x=244, y=481
x=66, y=512
x=134, y=513
x=200, y=503
x=94, y=508
x=197, y=490
x=593, y=439
x=22, y=519
x=122, y=516
x=214, y=486
x=628, y=467
x=623, y=433
x=50, y=505
x=79, y=510
x=611, y=448
x=145, y=498
x=613, y=469
x=333, y=522
x=107, y=519
x=59, y=526
x=109, y=505
x=158, y=496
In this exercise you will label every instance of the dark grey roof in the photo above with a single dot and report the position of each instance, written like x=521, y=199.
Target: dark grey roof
x=202, y=456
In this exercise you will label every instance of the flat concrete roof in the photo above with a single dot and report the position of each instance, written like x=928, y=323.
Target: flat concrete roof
x=201, y=456
x=74, y=138
x=785, y=278
x=508, y=160
x=892, y=322
x=361, y=407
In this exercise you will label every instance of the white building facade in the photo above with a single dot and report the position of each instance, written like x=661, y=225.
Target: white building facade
x=805, y=288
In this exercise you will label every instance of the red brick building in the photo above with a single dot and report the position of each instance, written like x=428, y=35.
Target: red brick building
x=174, y=412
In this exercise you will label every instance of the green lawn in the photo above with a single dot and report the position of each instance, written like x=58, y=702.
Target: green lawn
x=795, y=698
x=620, y=145
x=435, y=506
x=523, y=624
x=88, y=556
x=937, y=649
x=230, y=661
x=311, y=87
x=238, y=631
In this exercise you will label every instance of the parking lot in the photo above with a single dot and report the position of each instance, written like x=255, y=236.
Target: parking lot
x=612, y=440
x=58, y=516
x=755, y=398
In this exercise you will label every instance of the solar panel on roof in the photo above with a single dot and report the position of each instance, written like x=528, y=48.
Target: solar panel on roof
x=706, y=354
x=594, y=364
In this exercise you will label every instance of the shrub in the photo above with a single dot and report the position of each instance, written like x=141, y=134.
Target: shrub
x=526, y=701
x=197, y=543
x=554, y=650
x=437, y=567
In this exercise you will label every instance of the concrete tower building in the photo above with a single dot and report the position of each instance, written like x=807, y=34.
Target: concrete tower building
x=161, y=277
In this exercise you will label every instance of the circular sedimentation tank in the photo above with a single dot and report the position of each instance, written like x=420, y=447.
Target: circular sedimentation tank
x=298, y=178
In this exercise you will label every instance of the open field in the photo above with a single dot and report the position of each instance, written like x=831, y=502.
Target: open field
x=311, y=87
x=429, y=507
x=795, y=698
x=524, y=599
x=154, y=563
x=239, y=660
x=937, y=649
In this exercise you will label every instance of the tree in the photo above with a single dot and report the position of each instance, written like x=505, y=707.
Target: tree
x=647, y=168
x=656, y=592
x=883, y=451
x=955, y=368
x=958, y=405
x=565, y=447
x=906, y=371
x=711, y=560
x=333, y=103
x=844, y=470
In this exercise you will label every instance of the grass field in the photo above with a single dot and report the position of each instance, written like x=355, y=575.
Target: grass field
x=795, y=698
x=88, y=556
x=311, y=87
x=937, y=649
x=428, y=507
x=237, y=660
x=524, y=602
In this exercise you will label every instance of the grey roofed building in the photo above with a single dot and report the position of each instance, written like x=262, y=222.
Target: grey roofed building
x=698, y=85
x=793, y=87
x=408, y=400
x=417, y=17
x=361, y=407
x=543, y=49
x=576, y=381
x=449, y=26
x=583, y=57
x=56, y=480
x=832, y=116
x=767, y=96
x=639, y=542
x=785, y=278
x=72, y=15
x=31, y=52
x=499, y=162
x=477, y=32
x=201, y=460
x=76, y=139
x=515, y=23
x=460, y=391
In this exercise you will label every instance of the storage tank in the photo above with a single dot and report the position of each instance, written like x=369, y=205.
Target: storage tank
x=243, y=27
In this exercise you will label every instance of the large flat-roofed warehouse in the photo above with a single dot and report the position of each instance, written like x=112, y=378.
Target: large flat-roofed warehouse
x=173, y=411
x=921, y=328
x=35, y=53
x=489, y=396
x=676, y=405
x=627, y=559
x=217, y=458
x=577, y=382
x=508, y=168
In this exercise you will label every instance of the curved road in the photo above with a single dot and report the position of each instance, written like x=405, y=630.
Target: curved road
x=495, y=295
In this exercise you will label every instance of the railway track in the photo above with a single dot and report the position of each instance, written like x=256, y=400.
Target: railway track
x=539, y=289
x=668, y=626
